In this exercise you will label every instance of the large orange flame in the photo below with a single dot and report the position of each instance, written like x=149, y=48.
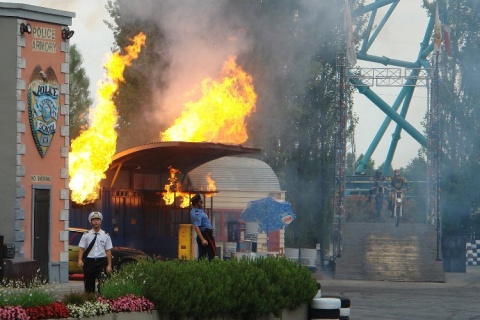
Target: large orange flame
x=219, y=115
x=92, y=152
x=210, y=184
x=173, y=189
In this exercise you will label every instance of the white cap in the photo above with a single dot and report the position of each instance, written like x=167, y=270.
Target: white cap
x=95, y=214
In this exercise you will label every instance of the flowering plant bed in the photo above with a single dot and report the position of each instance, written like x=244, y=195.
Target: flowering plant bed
x=59, y=310
x=55, y=310
x=264, y=288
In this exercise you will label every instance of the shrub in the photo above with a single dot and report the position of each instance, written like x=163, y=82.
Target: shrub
x=237, y=288
x=250, y=290
x=292, y=284
x=242, y=289
x=171, y=284
x=131, y=279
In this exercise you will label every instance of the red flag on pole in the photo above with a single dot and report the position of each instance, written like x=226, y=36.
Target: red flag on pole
x=437, y=34
x=446, y=39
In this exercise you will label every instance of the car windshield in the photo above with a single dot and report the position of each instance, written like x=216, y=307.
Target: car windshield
x=74, y=237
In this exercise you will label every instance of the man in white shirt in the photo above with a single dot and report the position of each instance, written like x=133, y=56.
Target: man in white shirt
x=95, y=254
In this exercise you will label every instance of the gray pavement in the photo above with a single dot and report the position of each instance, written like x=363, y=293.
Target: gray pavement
x=458, y=298
x=62, y=289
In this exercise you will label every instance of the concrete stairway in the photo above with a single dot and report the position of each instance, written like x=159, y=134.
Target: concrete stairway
x=381, y=251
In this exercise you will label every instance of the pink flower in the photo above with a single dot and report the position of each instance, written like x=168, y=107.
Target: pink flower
x=13, y=313
x=129, y=303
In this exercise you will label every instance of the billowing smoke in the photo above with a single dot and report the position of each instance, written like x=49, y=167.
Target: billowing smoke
x=271, y=39
x=198, y=45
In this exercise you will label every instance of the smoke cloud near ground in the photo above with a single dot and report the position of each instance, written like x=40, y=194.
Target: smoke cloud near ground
x=202, y=35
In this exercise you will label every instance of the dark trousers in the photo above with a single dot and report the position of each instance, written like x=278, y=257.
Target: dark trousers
x=92, y=271
x=210, y=250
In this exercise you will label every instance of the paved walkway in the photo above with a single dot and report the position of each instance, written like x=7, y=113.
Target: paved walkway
x=68, y=287
x=458, y=298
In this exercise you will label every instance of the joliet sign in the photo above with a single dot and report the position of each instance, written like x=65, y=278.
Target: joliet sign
x=43, y=105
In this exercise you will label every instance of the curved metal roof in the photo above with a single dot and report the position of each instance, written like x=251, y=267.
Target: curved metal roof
x=156, y=157
x=236, y=174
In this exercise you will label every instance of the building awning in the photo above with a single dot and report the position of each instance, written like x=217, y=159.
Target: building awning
x=157, y=157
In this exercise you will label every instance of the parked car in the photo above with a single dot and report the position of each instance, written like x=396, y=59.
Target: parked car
x=120, y=255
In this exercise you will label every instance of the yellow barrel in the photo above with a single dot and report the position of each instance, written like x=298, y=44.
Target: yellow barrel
x=185, y=240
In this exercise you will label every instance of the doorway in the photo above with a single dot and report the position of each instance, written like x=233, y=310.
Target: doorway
x=41, y=231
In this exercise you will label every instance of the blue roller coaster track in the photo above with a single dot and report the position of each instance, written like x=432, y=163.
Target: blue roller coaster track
x=420, y=70
x=416, y=71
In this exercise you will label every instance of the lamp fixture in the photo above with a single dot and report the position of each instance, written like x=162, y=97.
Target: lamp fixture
x=25, y=28
x=67, y=33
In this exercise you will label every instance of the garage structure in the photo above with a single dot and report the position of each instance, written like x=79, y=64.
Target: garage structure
x=132, y=193
x=131, y=197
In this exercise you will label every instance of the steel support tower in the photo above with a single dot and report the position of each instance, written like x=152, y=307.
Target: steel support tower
x=407, y=76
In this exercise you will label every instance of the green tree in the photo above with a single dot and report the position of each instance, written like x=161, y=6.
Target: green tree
x=135, y=100
x=80, y=100
x=460, y=116
x=369, y=168
x=416, y=173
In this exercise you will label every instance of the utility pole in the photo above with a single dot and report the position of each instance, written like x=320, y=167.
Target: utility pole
x=434, y=156
x=340, y=154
